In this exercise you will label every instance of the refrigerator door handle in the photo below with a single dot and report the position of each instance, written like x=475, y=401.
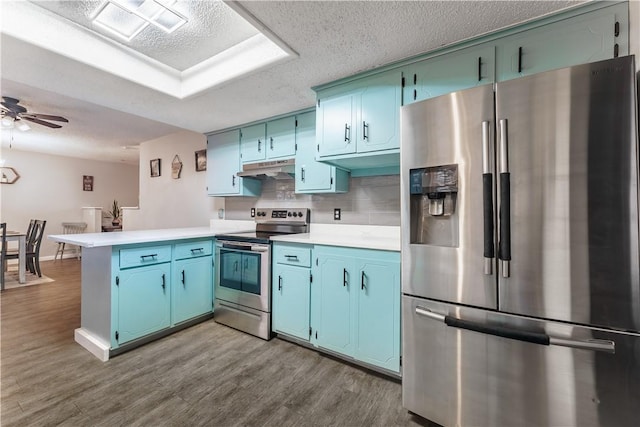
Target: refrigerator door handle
x=487, y=198
x=504, y=245
x=606, y=346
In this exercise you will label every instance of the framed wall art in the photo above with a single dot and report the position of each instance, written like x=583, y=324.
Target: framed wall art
x=155, y=167
x=87, y=183
x=201, y=160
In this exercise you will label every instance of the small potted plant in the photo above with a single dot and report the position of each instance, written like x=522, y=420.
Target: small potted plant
x=114, y=213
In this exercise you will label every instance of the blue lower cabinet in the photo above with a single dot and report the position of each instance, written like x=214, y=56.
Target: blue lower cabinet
x=378, y=313
x=291, y=291
x=192, y=288
x=356, y=304
x=143, y=301
x=332, y=301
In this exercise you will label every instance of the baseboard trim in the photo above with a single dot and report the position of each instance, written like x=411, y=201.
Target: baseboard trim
x=94, y=345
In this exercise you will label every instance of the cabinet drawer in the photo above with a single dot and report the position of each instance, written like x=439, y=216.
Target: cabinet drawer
x=148, y=255
x=292, y=254
x=192, y=249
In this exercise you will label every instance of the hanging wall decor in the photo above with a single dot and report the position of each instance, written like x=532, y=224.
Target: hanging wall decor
x=176, y=167
x=87, y=183
x=155, y=167
x=201, y=160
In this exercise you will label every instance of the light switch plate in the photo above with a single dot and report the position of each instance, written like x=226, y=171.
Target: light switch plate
x=253, y=212
x=336, y=214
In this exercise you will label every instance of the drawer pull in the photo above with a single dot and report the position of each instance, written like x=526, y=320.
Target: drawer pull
x=144, y=257
x=200, y=250
x=291, y=257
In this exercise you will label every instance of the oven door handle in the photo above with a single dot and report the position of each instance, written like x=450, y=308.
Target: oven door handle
x=246, y=247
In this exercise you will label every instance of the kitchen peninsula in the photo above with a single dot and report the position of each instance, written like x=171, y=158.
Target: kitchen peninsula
x=141, y=285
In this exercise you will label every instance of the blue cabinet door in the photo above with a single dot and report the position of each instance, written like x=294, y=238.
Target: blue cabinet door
x=448, y=73
x=192, y=288
x=252, y=143
x=144, y=301
x=378, y=313
x=581, y=39
x=335, y=117
x=313, y=176
x=281, y=138
x=223, y=162
x=378, y=126
x=334, y=309
x=291, y=290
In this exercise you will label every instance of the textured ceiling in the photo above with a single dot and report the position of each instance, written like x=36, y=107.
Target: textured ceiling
x=333, y=40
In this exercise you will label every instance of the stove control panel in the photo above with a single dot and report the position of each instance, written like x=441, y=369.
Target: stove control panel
x=282, y=215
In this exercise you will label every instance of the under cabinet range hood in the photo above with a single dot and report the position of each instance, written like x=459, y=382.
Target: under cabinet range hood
x=277, y=169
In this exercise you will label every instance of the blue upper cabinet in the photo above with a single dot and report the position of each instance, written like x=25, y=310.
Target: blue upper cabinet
x=357, y=123
x=584, y=38
x=281, y=138
x=275, y=139
x=223, y=159
x=448, y=73
x=313, y=176
x=252, y=143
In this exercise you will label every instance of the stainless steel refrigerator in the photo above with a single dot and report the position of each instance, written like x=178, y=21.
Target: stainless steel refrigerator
x=520, y=277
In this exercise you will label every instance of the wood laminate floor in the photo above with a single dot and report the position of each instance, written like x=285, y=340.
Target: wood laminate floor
x=205, y=375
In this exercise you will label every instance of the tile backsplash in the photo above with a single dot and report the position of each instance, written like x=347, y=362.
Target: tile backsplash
x=370, y=201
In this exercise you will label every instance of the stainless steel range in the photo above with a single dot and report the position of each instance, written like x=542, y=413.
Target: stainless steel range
x=243, y=270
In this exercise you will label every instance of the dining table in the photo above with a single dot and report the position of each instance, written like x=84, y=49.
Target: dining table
x=21, y=238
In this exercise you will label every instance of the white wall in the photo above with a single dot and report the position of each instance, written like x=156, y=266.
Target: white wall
x=169, y=203
x=50, y=188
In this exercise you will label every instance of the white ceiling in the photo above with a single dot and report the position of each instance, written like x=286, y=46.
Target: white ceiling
x=109, y=109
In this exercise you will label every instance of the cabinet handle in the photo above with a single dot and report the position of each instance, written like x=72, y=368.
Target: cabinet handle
x=233, y=180
x=291, y=257
x=259, y=145
x=362, y=281
x=479, y=68
x=271, y=142
x=344, y=277
x=246, y=263
x=279, y=283
x=302, y=170
x=520, y=59
x=415, y=94
x=183, y=277
x=144, y=257
x=365, y=128
x=347, y=133
x=235, y=266
x=193, y=251
x=164, y=282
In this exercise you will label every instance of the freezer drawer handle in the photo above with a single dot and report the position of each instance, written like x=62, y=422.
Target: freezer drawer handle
x=516, y=334
x=487, y=198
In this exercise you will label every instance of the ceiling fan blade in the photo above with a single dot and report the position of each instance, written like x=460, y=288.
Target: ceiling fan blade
x=9, y=100
x=45, y=117
x=41, y=122
x=13, y=107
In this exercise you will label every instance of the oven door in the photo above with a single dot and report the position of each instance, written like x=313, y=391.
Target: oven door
x=242, y=274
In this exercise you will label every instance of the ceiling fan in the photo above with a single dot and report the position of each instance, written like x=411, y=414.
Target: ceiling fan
x=14, y=114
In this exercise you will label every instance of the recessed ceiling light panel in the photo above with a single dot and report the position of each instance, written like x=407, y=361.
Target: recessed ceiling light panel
x=126, y=18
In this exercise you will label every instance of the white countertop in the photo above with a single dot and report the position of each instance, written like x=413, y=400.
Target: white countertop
x=354, y=236
x=91, y=240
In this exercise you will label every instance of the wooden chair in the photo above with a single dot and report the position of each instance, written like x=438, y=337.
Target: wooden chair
x=70, y=228
x=3, y=252
x=14, y=253
x=33, y=247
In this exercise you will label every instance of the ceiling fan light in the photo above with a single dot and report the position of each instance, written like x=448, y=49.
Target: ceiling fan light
x=7, y=122
x=23, y=126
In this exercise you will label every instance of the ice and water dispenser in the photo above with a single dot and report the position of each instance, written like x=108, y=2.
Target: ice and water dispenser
x=434, y=193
